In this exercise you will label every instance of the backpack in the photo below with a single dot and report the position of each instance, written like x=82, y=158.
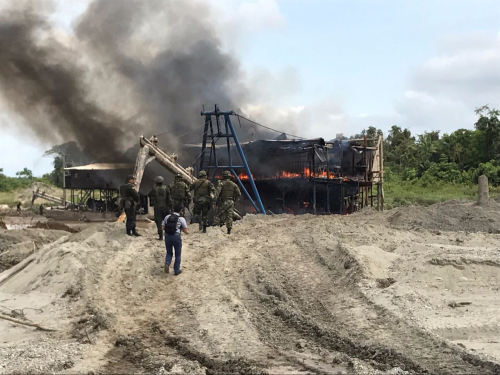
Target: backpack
x=178, y=191
x=171, y=224
x=160, y=196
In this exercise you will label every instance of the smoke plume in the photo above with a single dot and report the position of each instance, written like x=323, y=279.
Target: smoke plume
x=130, y=68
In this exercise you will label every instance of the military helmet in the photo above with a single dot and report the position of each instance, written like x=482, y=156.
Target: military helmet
x=226, y=174
x=178, y=176
x=202, y=174
x=159, y=180
x=129, y=177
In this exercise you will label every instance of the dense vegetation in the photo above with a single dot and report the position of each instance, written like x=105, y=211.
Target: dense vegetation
x=460, y=157
x=22, y=180
x=430, y=167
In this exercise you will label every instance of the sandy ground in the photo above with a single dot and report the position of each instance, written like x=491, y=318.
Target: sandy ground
x=406, y=291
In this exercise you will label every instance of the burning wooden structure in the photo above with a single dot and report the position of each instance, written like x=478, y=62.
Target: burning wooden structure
x=294, y=175
x=281, y=175
x=314, y=176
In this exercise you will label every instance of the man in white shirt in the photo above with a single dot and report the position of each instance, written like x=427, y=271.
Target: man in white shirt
x=172, y=226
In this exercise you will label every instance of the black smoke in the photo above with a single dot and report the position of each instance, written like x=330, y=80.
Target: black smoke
x=129, y=68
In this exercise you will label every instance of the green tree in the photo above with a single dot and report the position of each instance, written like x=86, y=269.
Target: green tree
x=67, y=151
x=25, y=173
x=57, y=174
x=489, y=125
x=462, y=147
x=427, y=147
x=400, y=149
x=490, y=170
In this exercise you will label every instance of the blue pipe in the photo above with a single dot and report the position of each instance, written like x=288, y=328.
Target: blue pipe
x=245, y=163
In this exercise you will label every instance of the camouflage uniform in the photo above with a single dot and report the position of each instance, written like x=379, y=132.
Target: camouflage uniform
x=226, y=194
x=162, y=202
x=129, y=201
x=203, y=194
x=179, y=191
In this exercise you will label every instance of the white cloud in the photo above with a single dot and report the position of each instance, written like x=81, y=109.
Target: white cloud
x=250, y=15
x=444, y=91
x=419, y=96
x=239, y=20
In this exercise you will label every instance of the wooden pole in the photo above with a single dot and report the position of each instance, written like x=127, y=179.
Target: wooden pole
x=483, y=191
x=381, y=172
x=26, y=323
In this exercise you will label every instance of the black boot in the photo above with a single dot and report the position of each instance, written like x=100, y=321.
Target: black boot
x=160, y=236
x=134, y=232
x=228, y=230
x=204, y=229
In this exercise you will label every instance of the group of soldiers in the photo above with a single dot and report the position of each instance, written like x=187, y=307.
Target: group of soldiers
x=202, y=192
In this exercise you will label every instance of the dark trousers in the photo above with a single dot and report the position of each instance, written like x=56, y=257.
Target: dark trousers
x=173, y=242
x=130, y=224
x=200, y=211
x=160, y=214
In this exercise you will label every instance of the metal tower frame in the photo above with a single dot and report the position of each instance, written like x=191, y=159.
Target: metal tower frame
x=208, y=158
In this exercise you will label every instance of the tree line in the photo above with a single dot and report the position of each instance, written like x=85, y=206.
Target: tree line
x=459, y=157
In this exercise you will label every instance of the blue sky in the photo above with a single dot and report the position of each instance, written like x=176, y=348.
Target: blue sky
x=337, y=66
x=364, y=51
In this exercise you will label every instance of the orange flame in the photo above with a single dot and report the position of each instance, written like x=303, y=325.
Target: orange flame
x=306, y=173
x=243, y=176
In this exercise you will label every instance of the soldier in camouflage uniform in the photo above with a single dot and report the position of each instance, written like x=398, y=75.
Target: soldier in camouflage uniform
x=129, y=201
x=203, y=195
x=162, y=202
x=179, y=191
x=226, y=194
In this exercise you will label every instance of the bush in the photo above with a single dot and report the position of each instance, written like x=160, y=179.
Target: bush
x=490, y=170
x=25, y=179
x=446, y=172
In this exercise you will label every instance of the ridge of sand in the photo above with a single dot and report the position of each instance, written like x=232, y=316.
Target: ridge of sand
x=282, y=294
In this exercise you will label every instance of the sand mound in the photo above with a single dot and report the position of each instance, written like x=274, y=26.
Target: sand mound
x=374, y=261
x=57, y=283
x=54, y=225
x=56, y=267
x=282, y=294
x=16, y=245
x=448, y=216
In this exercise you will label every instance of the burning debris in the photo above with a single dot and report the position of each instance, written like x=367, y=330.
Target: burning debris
x=294, y=175
x=306, y=173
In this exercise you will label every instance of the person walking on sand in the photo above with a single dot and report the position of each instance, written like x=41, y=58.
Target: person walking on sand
x=172, y=225
x=161, y=200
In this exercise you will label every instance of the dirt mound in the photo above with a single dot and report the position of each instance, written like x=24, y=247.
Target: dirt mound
x=16, y=245
x=448, y=216
x=54, y=225
x=282, y=294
